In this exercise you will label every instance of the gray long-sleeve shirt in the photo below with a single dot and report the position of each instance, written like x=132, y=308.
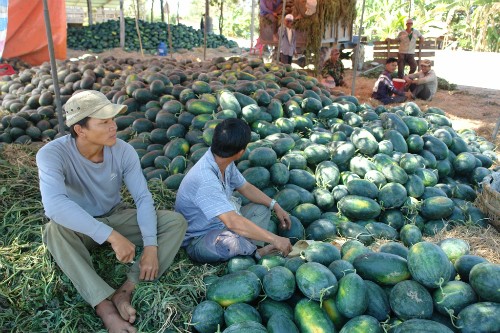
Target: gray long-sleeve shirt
x=429, y=79
x=75, y=190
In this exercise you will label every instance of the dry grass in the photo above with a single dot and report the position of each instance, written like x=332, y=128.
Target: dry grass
x=35, y=296
x=483, y=242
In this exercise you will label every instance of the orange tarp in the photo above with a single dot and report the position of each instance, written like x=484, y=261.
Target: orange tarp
x=26, y=34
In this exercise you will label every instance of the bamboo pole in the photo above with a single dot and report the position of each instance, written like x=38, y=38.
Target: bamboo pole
x=53, y=67
x=89, y=11
x=169, y=32
x=252, y=24
x=122, y=26
x=136, y=10
x=205, y=27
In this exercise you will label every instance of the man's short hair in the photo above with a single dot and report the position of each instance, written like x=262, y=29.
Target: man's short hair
x=82, y=123
x=230, y=137
x=391, y=60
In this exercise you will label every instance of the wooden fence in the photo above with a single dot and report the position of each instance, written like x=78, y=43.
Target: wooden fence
x=383, y=50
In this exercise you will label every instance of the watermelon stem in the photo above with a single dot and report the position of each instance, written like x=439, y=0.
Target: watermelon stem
x=452, y=317
x=322, y=293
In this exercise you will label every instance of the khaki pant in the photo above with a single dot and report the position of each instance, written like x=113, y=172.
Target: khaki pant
x=71, y=249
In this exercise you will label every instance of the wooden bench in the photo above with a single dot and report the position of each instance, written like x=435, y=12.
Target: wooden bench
x=383, y=50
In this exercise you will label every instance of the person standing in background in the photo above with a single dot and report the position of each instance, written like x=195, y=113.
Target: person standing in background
x=407, y=43
x=288, y=40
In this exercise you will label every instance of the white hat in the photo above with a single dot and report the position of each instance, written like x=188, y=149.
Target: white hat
x=289, y=17
x=90, y=103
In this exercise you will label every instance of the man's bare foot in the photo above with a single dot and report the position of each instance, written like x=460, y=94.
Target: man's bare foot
x=268, y=249
x=112, y=320
x=121, y=300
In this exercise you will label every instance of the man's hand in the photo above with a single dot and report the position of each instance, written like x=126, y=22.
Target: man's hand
x=283, y=217
x=408, y=80
x=124, y=249
x=283, y=245
x=149, y=263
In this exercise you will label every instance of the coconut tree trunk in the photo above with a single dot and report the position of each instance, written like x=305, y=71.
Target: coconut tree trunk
x=162, y=13
x=89, y=10
x=152, y=5
x=221, y=18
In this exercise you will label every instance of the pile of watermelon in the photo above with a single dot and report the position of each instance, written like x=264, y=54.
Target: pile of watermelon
x=339, y=167
x=106, y=35
x=424, y=288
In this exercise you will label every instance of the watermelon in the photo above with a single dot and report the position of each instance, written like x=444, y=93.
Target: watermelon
x=428, y=264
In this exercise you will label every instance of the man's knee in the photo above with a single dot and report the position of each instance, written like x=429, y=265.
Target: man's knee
x=53, y=230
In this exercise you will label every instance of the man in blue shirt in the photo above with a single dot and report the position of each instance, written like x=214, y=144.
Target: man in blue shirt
x=384, y=89
x=217, y=229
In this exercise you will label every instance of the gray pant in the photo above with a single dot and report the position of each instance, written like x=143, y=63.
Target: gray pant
x=223, y=244
x=420, y=91
x=71, y=249
x=403, y=59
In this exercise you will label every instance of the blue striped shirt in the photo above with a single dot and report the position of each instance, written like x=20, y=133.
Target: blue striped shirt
x=203, y=196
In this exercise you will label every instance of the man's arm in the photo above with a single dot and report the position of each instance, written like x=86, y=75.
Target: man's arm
x=255, y=195
x=137, y=186
x=426, y=79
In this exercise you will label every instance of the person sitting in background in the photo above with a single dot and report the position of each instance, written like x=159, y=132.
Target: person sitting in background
x=423, y=84
x=384, y=89
x=333, y=69
x=218, y=228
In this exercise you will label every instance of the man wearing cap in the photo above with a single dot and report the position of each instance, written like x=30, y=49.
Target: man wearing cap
x=218, y=227
x=423, y=84
x=384, y=89
x=333, y=68
x=407, y=43
x=288, y=40
x=81, y=176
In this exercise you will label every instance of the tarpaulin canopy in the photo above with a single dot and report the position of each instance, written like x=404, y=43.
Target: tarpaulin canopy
x=26, y=34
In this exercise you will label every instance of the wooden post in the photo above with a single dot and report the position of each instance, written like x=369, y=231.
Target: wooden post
x=419, y=53
x=53, y=67
x=162, y=13
x=89, y=11
x=252, y=24
x=205, y=27
x=122, y=26
x=152, y=5
x=166, y=9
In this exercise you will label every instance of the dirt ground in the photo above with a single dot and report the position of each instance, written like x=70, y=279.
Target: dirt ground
x=467, y=107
